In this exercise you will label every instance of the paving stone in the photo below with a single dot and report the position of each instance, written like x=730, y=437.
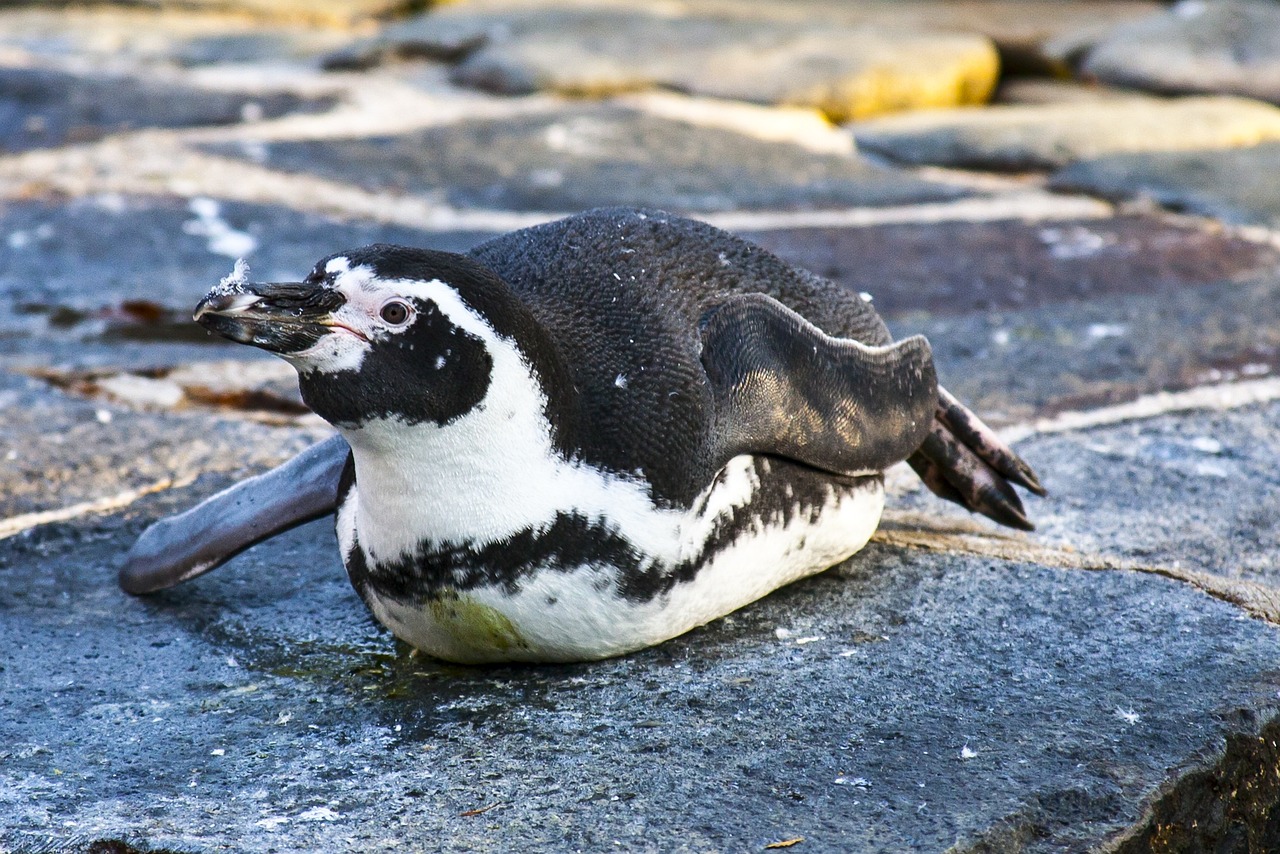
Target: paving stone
x=954, y=268
x=1230, y=46
x=60, y=450
x=112, y=37
x=1198, y=490
x=929, y=701
x=588, y=156
x=1053, y=135
x=43, y=107
x=112, y=280
x=1030, y=319
x=1220, y=184
x=844, y=70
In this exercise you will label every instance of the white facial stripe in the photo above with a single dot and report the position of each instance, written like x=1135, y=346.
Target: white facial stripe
x=337, y=265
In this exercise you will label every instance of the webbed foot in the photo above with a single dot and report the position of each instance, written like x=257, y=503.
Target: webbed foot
x=963, y=460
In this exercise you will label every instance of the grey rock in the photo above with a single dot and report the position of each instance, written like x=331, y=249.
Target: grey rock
x=60, y=450
x=1053, y=135
x=845, y=70
x=1225, y=185
x=951, y=269
x=586, y=156
x=927, y=701
x=42, y=107
x=1194, y=462
x=1230, y=46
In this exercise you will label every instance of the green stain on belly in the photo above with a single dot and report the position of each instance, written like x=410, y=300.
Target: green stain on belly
x=474, y=625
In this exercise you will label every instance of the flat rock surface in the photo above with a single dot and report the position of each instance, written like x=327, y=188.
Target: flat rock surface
x=1220, y=184
x=1106, y=683
x=42, y=107
x=581, y=157
x=906, y=701
x=845, y=70
x=1048, y=136
x=1230, y=46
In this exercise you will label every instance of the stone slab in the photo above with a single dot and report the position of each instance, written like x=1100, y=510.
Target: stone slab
x=43, y=107
x=112, y=280
x=1029, y=137
x=905, y=702
x=590, y=155
x=1230, y=46
x=1199, y=490
x=111, y=36
x=59, y=450
x=1220, y=184
x=845, y=70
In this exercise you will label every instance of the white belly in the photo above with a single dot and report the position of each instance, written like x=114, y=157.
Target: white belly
x=577, y=613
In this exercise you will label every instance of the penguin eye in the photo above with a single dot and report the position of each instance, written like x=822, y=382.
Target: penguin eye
x=395, y=312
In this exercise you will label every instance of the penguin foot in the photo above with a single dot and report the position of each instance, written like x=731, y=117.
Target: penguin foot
x=964, y=461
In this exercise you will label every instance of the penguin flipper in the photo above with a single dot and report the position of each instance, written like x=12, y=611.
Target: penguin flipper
x=964, y=461
x=181, y=547
x=782, y=386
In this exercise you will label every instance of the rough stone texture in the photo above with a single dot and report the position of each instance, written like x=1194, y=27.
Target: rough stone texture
x=587, y=156
x=1053, y=135
x=44, y=108
x=845, y=71
x=1228, y=46
x=1226, y=185
x=963, y=268
x=953, y=688
x=908, y=702
x=58, y=450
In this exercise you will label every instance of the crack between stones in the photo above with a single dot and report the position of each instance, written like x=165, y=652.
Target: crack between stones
x=15, y=525
x=912, y=530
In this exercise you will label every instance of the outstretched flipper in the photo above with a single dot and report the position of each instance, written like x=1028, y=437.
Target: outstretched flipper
x=181, y=547
x=964, y=461
x=784, y=387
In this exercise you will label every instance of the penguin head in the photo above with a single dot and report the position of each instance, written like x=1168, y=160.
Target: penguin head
x=381, y=332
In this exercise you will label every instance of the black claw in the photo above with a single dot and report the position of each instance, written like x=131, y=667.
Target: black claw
x=973, y=483
x=984, y=442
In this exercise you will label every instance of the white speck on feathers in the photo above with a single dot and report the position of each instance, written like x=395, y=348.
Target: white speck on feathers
x=620, y=380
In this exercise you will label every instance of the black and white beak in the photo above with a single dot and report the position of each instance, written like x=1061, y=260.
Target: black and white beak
x=281, y=317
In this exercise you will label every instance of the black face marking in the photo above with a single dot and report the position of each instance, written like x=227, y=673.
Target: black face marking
x=573, y=541
x=432, y=372
x=462, y=380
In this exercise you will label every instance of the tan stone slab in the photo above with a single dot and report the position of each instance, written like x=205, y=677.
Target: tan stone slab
x=1049, y=136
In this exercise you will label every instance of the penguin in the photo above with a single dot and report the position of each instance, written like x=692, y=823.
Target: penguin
x=583, y=438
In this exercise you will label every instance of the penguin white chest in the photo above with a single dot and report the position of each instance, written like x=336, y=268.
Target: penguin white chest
x=602, y=579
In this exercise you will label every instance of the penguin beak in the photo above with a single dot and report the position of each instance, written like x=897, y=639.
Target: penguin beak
x=281, y=317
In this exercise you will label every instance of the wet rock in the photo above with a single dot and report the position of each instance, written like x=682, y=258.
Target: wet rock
x=1053, y=135
x=1230, y=46
x=41, y=107
x=1219, y=184
x=931, y=701
x=847, y=71
x=586, y=156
